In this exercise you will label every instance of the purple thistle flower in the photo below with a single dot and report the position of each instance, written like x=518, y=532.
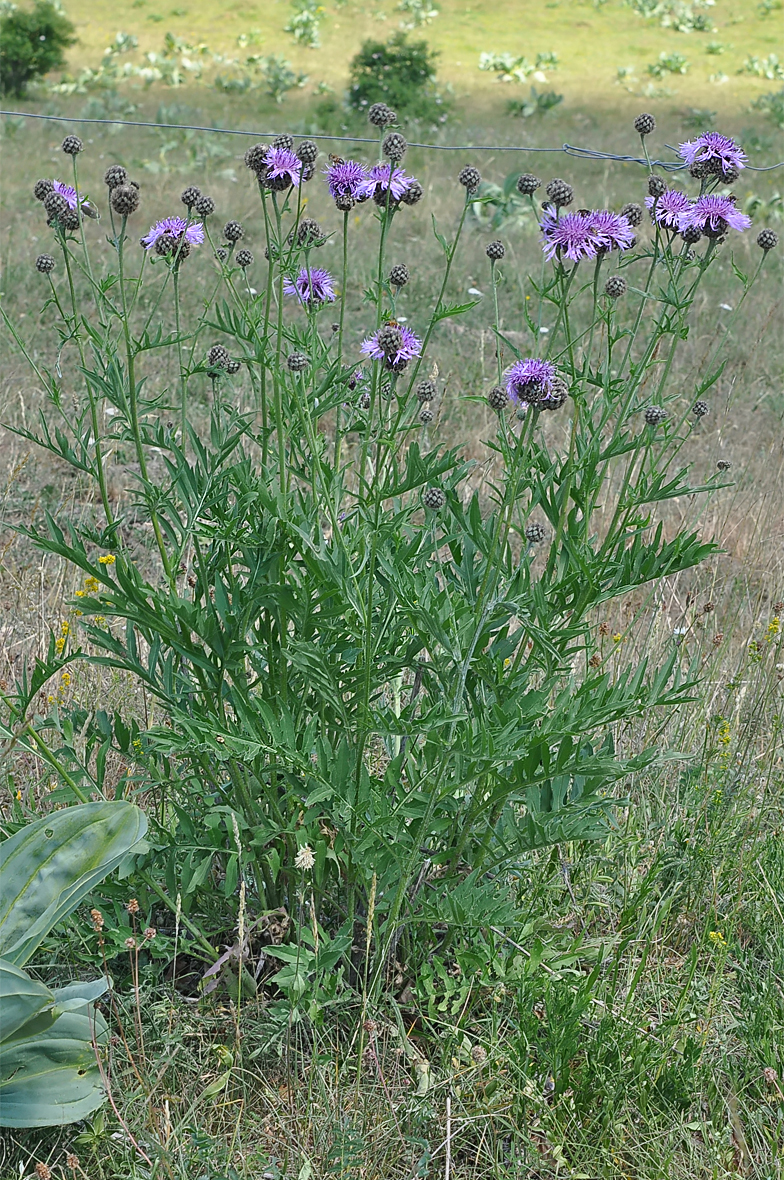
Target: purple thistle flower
x=175, y=227
x=529, y=380
x=573, y=234
x=410, y=347
x=668, y=209
x=713, y=214
x=612, y=231
x=316, y=282
x=346, y=178
x=280, y=162
x=385, y=177
x=713, y=146
x=67, y=191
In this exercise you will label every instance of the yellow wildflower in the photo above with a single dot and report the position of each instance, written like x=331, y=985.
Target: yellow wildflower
x=107, y=559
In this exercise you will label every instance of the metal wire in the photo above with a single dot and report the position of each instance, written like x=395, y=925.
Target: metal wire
x=568, y=149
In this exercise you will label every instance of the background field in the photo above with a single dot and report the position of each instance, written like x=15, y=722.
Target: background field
x=684, y=902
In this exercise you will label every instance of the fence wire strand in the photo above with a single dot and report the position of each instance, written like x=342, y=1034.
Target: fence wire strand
x=579, y=153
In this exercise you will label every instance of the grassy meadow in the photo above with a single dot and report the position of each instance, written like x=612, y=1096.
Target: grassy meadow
x=630, y=1023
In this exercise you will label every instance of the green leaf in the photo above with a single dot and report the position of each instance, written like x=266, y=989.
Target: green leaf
x=21, y=999
x=50, y=865
x=52, y=1077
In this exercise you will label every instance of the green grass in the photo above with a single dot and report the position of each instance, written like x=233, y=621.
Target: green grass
x=592, y=42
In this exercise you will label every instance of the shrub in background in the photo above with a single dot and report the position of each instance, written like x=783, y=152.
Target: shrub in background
x=400, y=73
x=31, y=44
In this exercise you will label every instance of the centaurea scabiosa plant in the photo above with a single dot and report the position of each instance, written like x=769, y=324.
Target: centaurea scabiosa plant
x=353, y=647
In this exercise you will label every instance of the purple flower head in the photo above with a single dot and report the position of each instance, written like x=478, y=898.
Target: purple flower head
x=67, y=191
x=385, y=177
x=346, y=178
x=713, y=214
x=668, y=209
x=281, y=162
x=175, y=227
x=316, y=283
x=611, y=231
x=572, y=234
x=529, y=380
x=410, y=347
x=711, y=146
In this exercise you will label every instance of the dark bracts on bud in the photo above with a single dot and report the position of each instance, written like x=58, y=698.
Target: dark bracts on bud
x=644, y=124
x=434, y=499
x=309, y=232
x=218, y=357
x=527, y=184
x=297, y=362
x=45, y=264
x=256, y=158
x=559, y=192
x=114, y=176
x=470, y=178
x=307, y=152
x=655, y=415
x=204, y=206
x=413, y=193
x=534, y=533
x=426, y=390
x=615, y=287
x=398, y=275
x=72, y=145
x=394, y=146
x=125, y=199
x=498, y=398
x=284, y=141
x=244, y=258
x=656, y=186
x=380, y=115
x=389, y=339
x=633, y=213
x=232, y=231
x=495, y=251
x=42, y=189
x=767, y=239
x=700, y=409
x=190, y=195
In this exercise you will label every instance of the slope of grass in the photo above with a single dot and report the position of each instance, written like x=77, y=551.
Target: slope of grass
x=592, y=41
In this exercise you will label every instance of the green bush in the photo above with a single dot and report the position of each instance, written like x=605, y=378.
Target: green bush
x=398, y=72
x=31, y=44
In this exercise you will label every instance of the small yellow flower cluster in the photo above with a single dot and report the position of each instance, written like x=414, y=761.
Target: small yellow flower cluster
x=774, y=629
x=724, y=737
x=107, y=559
x=91, y=586
x=59, y=645
x=717, y=938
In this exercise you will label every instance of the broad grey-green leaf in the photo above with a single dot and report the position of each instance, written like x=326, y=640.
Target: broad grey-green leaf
x=21, y=999
x=50, y=865
x=53, y=1078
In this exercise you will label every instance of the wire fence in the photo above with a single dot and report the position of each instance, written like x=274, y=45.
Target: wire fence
x=568, y=149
